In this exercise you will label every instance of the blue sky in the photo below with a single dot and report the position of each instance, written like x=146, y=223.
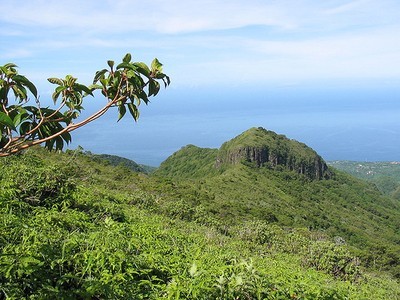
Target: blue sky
x=307, y=69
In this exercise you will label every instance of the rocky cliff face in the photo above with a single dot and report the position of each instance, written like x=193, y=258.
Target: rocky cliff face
x=264, y=148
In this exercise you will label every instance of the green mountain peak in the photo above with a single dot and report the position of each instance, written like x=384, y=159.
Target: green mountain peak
x=256, y=147
x=265, y=148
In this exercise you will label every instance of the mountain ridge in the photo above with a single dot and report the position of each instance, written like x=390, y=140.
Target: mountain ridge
x=266, y=148
x=256, y=146
x=240, y=188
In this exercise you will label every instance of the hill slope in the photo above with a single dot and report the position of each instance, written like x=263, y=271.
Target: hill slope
x=296, y=190
x=266, y=148
x=115, y=160
x=74, y=228
x=385, y=175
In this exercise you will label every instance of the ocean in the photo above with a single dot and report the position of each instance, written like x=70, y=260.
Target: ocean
x=340, y=123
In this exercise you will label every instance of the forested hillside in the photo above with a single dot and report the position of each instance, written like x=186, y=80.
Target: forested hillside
x=385, y=175
x=115, y=160
x=201, y=227
x=336, y=204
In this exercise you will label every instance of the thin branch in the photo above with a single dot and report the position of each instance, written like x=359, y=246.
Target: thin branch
x=123, y=92
x=37, y=127
x=68, y=128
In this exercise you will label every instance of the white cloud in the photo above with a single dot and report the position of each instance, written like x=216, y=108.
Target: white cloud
x=347, y=56
x=299, y=39
x=168, y=17
x=345, y=45
x=346, y=7
x=15, y=53
x=176, y=16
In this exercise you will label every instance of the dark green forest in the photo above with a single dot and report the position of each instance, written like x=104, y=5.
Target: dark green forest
x=263, y=217
x=385, y=175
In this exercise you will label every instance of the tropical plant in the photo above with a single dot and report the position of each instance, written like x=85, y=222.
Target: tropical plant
x=124, y=86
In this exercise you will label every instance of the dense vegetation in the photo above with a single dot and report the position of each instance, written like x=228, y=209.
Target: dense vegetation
x=116, y=160
x=76, y=227
x=385, y=175
x=342, y=206
x=265, y=148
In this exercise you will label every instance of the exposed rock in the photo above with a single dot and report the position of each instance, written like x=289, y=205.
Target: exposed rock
x=264, y=148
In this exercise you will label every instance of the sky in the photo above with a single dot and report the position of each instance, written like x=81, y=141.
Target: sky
x=325, y=73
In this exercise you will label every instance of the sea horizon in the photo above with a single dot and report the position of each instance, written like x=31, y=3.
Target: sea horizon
x=357, y=124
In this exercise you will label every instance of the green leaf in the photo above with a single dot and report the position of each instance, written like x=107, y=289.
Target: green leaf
x=60, y=89
x=55, y=81
x=17, y=119
x=3, y=93
x=67, y=137
x=55, y=96
x=143, y=68
x=24, y=128
x=19, y=92
x=135, y=80
x=127, y=58
x=164, y=78
x=99, y=75
x=3, y=70
x=133, y=111
x=117, y=76
x=167, y=81
x=49, y=144
x=125, y=65
x=84, y=88
x=93, y=87
x=10, y=65
x=239, y=280
x=8, y=71
x=122, y=111
x=142, y=95
x=104, y=82
x=70, y=80
x=6, y=120
x=25, y=81
x=110, y=63
x=156, y=65
x=154, y=88
x=59, y=143
x=57, y=92
x=74, y=99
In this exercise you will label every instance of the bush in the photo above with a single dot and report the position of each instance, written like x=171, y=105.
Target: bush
x=29, y=180
x=333, y=259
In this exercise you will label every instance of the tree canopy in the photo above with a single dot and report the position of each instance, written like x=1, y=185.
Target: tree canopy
x=22, y=125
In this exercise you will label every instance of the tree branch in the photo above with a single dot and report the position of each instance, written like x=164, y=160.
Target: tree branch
x=130, y=85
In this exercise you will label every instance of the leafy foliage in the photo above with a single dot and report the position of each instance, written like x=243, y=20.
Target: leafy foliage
x=107, y=233
x=124, y=86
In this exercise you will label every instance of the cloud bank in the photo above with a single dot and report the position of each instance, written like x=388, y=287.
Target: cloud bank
x=212, y=41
